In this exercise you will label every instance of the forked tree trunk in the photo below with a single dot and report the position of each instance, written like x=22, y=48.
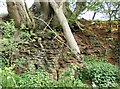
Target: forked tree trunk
x=67, y=31
x=19, y=13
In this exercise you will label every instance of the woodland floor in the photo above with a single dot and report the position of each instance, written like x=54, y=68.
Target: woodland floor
x=95, y=40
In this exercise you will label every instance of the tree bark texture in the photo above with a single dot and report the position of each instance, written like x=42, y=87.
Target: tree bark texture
x=58, y=10
x=19, y=13
x=67, y=31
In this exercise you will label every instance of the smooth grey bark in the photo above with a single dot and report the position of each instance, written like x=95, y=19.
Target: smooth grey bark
x=67, y=31
x=57, y=11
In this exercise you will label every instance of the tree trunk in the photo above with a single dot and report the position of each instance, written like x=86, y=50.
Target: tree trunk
x=41, y=9
x=67, y=31
x=19, y=13
x=94, y=16
x=58, y=19
x=80, y=6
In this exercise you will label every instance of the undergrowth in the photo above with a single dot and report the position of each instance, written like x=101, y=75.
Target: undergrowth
x=100, y=73
x=9, y=47
x=7, y=43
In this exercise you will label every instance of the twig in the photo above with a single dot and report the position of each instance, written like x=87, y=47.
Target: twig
x=61, y=40
x=48, y=26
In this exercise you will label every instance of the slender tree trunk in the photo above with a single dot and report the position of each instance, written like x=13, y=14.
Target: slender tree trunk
x=94, y=16
x=44, y=8
x=58, y=11
x=19, y=13
x=67, y=31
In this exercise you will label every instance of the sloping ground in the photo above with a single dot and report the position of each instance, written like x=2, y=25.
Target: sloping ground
x=44, y=50
x=96, y=41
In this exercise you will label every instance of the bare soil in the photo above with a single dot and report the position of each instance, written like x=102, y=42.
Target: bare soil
x=96, y=40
